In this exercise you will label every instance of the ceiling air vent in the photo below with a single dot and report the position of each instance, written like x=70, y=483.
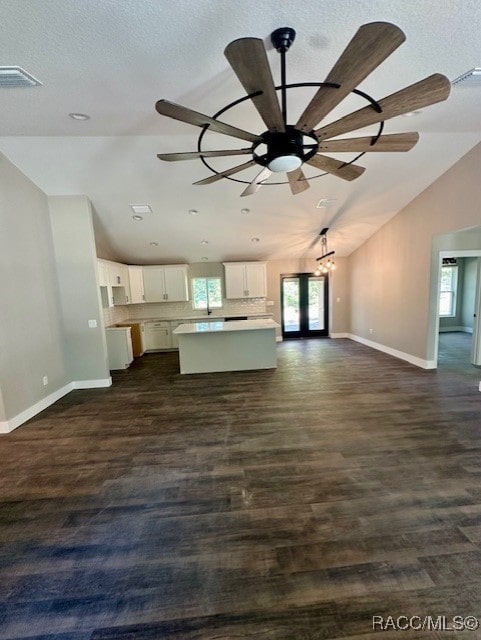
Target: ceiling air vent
x=13, y=77
x=141, y=208
x=471, y=78
x=326, y=202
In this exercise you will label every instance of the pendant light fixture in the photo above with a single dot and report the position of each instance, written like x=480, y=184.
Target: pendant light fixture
x=325, y=262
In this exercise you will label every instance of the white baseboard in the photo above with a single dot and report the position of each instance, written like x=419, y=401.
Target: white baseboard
x=7, y=426
x=457, y=328
x=92, y=384
x=424, y=364
x=339, y=335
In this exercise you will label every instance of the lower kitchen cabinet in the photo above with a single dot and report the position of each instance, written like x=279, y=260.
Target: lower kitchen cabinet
x=158, y=335
x=175, y=338
x=119, y=347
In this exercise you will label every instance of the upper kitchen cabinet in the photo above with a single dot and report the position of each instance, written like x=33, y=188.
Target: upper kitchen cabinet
x=245, y=279
x=118, y=274
x=167, y=283
x=103, y=271
x=136, y=281
x=114, y=283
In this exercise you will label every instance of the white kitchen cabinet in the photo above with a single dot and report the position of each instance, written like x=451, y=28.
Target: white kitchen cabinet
x=158, y=335
x=113, y=282
x=119, y=347
x=136, y=282
x=118, y=274
x=245, y=279
x=103, y=273
x=173, y=325
x=166, y=283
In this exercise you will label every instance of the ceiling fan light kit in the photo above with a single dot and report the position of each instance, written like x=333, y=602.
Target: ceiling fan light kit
x=289, y=147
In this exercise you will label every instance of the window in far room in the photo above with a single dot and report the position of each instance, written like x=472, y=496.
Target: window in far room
x=448, y=290
x=206, y=293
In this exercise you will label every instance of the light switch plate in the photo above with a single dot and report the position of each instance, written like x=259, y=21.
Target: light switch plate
x=92, y=324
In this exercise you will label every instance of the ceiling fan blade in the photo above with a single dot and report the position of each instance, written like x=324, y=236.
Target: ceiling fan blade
x=227, y=172
x=432, y=89
x=192, y=155
x=369, y=47
x=336, y=167
x=178, y=112
x=391, y=142
x=297, y=181
x=256, y=183
x=248, y=59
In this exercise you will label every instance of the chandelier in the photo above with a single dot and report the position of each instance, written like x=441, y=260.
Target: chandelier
x=325, y=263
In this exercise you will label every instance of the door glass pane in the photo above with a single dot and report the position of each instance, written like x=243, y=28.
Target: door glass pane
x=290, y=309
x=316, y=303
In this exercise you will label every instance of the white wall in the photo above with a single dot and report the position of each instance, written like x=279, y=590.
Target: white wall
x=31, y=332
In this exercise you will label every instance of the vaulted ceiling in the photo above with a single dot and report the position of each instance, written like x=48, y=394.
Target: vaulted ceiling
x=114, y=59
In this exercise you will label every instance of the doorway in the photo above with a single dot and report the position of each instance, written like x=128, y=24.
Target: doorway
x=465, y=316
x=304, y=305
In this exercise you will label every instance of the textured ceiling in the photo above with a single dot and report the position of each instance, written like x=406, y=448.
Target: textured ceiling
x=113, y=59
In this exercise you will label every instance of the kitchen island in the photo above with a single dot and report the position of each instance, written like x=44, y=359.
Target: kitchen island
x=239, y=345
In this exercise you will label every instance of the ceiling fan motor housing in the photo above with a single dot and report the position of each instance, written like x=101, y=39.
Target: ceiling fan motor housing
x=284, y=143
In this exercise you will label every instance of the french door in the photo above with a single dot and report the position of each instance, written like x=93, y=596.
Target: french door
x=304, y=302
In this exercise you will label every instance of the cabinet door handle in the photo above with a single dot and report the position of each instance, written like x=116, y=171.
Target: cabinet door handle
x=118, y=279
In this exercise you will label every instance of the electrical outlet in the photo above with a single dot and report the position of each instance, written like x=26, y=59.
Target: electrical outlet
x=92, y=324
x=371, y=330
x=45, y=381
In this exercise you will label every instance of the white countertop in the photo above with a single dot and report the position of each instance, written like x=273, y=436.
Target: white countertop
x=199, y=318
x=234, y=325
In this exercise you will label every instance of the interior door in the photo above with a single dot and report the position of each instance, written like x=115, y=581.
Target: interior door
x=304, y=302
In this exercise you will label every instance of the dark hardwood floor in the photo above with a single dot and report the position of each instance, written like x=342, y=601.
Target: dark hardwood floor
x=294, y=503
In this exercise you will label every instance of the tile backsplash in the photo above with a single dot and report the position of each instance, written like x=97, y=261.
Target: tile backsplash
x=182, y=309
x=179, y=309
x=112, y=315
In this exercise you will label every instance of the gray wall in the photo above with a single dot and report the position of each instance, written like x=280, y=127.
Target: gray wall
x=72, y=229
x=31, y=333
x=469, y=292
x=394, y=278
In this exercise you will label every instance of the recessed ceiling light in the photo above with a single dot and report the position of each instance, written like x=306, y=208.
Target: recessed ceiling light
x=410, y=114
x=154, y=244
x=137, y=218
x=204, y=242
x=193, y=212
x=141, y=208
x=255, y=240
x=79, y=116
x=245, y=210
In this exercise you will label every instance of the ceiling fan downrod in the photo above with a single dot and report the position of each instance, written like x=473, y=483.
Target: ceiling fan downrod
x=282, y=39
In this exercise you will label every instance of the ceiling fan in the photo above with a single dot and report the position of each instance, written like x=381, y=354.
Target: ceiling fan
x=291, y=146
